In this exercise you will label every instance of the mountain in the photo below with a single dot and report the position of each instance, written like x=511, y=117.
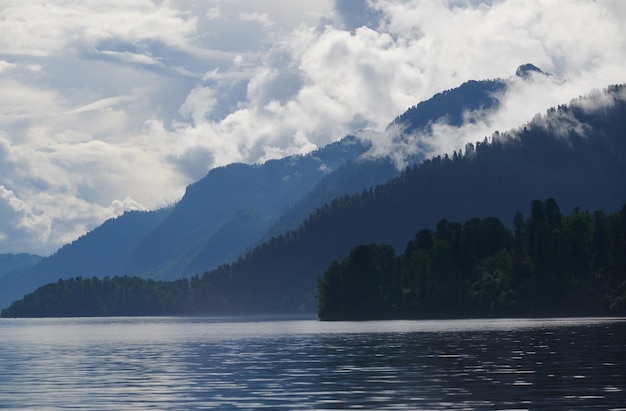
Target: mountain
x=229, y=211
x=559, y=260
x=193, y=238
x=526, y=70
x=13, y=262
x=452, y=106
x=575, y=153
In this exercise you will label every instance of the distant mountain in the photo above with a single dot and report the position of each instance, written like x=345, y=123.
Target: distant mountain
x=101, y=252
x=227, y=242
x=13, y=262
x=14, y=269
x=452, y=106
x=575, y=154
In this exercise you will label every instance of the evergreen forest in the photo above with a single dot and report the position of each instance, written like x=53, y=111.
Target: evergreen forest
x=547, y=264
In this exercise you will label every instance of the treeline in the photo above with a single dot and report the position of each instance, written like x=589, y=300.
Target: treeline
x=548, y=264
x=124, y=296
x=94, y=297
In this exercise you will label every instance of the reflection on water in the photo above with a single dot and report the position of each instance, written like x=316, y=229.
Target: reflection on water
x=204, y=363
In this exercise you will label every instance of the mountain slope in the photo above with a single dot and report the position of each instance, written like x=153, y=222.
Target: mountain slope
x=575, y=154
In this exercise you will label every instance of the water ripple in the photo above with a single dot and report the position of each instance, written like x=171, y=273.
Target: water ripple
x=204, y=364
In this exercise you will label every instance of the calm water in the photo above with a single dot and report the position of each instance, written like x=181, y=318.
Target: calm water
x=208, y=363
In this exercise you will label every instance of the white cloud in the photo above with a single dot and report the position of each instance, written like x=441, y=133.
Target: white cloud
x=42, y=28
x=21, y=224
x=199, y=104
x=109, y=105
x=5, y=66
x=20, y=102
x=213, y=13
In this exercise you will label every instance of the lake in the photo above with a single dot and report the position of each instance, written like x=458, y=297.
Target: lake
x=269, y=363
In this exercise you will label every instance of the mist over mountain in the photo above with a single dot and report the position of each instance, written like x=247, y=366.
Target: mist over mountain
x=14, y=268
x=227, y=212
x=452, y=105
x=453, y=108
x=575, y=153
x=193, y=238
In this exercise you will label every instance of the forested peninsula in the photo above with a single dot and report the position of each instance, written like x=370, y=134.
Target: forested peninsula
x=547, y=264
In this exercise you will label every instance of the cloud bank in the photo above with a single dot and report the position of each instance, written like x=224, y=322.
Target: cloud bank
x=107, y=106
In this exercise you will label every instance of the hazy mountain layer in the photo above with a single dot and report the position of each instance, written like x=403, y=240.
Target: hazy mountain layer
x=12, y=262
x=14, y=268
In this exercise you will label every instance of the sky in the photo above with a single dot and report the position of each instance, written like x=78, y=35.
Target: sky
x=115, y=105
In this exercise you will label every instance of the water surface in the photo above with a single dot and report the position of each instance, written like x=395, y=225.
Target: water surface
x=222, y=363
